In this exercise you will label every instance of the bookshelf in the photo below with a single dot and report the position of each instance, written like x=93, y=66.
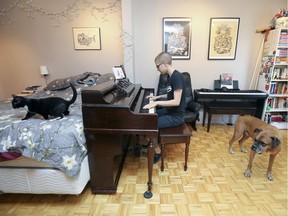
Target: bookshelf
x=273, y=78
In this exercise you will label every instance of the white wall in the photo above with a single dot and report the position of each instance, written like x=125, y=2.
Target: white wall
x=29, y=42
x=147, y=28
x=147, y=33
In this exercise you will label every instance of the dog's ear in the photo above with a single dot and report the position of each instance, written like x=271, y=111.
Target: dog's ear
x=259, y=133
x=13, y=95
x=275, y=141
x=256, y=131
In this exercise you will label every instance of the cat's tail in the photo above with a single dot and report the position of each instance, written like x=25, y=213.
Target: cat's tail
x=73, y=99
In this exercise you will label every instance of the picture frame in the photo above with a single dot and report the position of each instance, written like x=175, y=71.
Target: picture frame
x=223, y=38
x=177, y=37
x=119, y=72
x=87, y=38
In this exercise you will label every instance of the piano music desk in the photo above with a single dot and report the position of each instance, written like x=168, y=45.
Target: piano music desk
x=174, y=135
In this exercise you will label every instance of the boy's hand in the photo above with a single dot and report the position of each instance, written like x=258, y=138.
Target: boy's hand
x=150, y=105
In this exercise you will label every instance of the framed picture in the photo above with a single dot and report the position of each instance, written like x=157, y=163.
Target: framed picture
x=87, y=38
x=119, y=72
x=177, y=37
x=223, y=38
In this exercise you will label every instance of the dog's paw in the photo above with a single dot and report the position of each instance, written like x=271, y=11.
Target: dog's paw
x=248, y=173
x=231, y=151
x=270, y=176
x=244, y=150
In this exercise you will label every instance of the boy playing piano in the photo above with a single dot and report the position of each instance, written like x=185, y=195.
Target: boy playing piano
x=172, y=109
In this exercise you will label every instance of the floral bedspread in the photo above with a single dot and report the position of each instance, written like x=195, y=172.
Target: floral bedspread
x=60, y=142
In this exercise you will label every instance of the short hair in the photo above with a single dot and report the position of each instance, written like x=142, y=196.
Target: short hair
x=163, y=57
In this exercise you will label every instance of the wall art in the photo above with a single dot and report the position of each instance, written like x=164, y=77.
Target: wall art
x=223, y=38
x=87, y=38
x=177, y=37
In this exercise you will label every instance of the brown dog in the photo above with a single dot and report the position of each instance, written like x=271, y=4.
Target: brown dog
x=266, y=139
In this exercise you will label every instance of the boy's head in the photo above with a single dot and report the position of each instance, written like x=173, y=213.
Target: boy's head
x=163, y=57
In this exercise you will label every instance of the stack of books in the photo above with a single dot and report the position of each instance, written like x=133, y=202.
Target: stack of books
x=30, y=89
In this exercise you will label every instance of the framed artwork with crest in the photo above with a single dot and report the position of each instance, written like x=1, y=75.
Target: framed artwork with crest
x=223, y=38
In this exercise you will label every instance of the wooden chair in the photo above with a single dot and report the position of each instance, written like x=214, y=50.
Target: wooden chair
x=175, y=135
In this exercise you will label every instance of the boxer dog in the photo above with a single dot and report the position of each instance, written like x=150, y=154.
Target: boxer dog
x=266, y=139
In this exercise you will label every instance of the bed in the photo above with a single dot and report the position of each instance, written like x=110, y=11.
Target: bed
x=46, y=156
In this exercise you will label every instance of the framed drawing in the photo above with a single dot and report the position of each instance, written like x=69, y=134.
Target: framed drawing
x=119, y=72
x=223, y=38
x=87, y=38
x=177, y=37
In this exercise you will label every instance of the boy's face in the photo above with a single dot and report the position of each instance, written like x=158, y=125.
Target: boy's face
x=161, y=67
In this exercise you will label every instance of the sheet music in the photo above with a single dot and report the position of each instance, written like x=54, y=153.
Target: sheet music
x=118, y=73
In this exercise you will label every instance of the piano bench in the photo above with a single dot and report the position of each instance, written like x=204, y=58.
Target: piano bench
x=175, y=135
x=220, y=107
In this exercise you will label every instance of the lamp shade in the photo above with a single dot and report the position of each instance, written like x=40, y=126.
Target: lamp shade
x=44, y=70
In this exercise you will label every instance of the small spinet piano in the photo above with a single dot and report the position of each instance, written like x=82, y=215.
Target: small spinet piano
x=111, y=115
x=254, y=97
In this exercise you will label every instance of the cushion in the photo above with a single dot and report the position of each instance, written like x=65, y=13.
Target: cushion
x=60, y=84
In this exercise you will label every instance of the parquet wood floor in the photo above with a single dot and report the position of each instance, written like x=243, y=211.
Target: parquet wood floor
x=214, y=184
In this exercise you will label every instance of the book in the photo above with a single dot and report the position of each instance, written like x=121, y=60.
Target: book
x=276, y=118
x=226, y=80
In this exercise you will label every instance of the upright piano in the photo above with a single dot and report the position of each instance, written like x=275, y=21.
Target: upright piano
x=112, y=113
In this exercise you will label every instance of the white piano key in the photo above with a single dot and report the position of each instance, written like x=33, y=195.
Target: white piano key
x=152, y=110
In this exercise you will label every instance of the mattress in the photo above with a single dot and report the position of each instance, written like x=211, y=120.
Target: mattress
x=25, y=175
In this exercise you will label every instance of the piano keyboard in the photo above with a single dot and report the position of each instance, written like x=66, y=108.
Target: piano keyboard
x=152, y=110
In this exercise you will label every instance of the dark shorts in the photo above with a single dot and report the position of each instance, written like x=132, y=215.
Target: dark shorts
x=166, y=121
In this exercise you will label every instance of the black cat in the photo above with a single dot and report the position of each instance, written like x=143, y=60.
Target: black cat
x=54, y=106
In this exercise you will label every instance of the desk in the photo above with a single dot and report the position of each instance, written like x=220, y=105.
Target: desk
x=231, y=102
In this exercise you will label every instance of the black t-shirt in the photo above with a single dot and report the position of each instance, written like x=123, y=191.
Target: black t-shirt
x=176, y=81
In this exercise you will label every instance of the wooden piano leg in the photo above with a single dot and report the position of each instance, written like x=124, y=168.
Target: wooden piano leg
x=162, y=157
x=204, y=115
x=186, y=155
x=148, y=194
